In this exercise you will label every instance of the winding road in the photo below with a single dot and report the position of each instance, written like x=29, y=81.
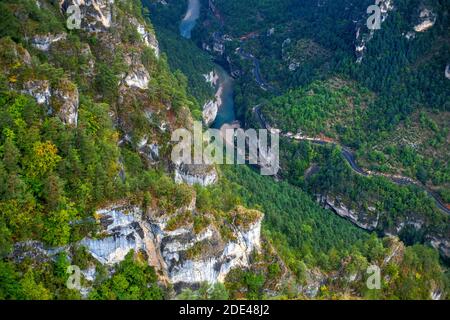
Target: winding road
x=348, y=155
x=256, y=69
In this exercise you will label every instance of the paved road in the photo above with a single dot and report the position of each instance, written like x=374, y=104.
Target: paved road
x=256, y=69
x=350, y=158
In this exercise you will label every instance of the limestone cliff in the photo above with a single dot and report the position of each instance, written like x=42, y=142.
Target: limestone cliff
x=182, y=254
x=369, y=219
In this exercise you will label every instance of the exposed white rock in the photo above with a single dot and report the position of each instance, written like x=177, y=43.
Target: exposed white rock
x=210, y=110
x=151, y=152
x=68, y=99
x=211, y=107
x=436, y=294
x=96, y=15
x=39, y=89
x=127, y=229
x=442, y=244
x=43, y=42
x=410, y=35
x=427, y=20
x=148, y=38
x=65, y=98
x=447, y=71
x=211, y=78
x=196, y=174
x=294, y=65
x=362, y=220
x=215, y=265
x=124, y=231
x=138, y=77
x=89, y=274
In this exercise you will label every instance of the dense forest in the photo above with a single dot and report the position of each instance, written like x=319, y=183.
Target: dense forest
x=391, y=109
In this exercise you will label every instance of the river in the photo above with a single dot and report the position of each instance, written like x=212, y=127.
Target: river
x=226, y=113
x=190, y=19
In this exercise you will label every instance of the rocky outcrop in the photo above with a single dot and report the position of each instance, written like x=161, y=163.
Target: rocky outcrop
x=123, y=230
x=39, y=90
x=211, y=78
x=62, y=98
x=148, y=37
x=427, y=19
x=210, y=110
x=364, y=220
x=183, y=256
x=58, y=97
x=96, y=15
x=66, y=100
x=369, y=219
x=203, y=175
x=441, y=243
x=211, y=107
x=218, y=257
x=138, y=77
x=150, y=150
x=447, y=71
x=43, y=42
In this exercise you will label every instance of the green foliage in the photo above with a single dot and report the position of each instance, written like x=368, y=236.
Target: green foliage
x=9, y=281
x=206, y=291
x=57, y=228
x=394, y=203
x=32, y=290
x=239, y=281
x=23, y=17
x=286, y=210
x=133, y=280
x=335, y=108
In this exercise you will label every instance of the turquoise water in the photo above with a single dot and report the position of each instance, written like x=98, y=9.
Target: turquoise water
x=226, y=112
x=190, y=19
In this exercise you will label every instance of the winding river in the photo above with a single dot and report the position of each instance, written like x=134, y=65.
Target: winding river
x=226, y=113
x=190, y=18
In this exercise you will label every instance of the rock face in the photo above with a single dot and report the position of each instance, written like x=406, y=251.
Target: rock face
x=138, y=77
x=210, y=108
x=196, y=174
x=62, y=98
x=43, y=42
x=173, y=252
x=369, y=219
x=427, y=19
x=124, y=230
x=150, y=150
x=361, y=219
x=219, y=257
x=441, y=244
x=66, y=97
x=148, y=38
x=447, y=71
x=96, y=15
x=39, y=90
